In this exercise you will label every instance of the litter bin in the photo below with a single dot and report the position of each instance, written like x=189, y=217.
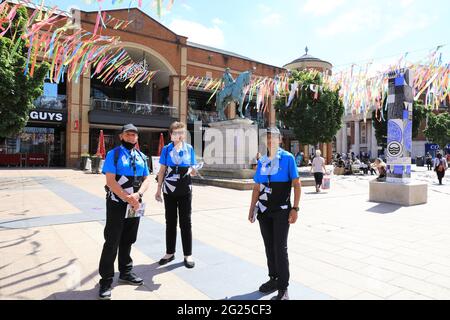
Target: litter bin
x=420, y=161
x=96, y=164
x=83, y=162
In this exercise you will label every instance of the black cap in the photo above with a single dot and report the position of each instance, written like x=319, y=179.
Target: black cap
x=129, y=127
x=273, y=130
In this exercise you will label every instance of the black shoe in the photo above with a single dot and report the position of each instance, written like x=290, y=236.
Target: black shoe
x=270, y=286
x=282, y=295
x=132, y=279
x=166, y=261
x=189, y=264
x=104, y=292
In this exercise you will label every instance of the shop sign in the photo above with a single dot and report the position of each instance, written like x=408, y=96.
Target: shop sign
x=47, y=116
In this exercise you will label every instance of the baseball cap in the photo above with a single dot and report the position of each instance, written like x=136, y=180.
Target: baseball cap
x=129, y=127
x=273, y=130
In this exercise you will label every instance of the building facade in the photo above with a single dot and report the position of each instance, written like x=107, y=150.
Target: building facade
x=69, y=116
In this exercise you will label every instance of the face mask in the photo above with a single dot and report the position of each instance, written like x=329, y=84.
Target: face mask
x=128, y=145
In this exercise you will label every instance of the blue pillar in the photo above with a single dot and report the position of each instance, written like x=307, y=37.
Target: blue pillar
x=400, y=108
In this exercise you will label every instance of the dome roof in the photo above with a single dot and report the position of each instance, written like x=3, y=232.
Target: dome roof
x=308, y=58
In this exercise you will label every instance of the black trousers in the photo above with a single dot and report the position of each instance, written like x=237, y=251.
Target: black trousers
x=178, y=206
x=120, y=234
x=274, y=230
x=440, y=175
x=318, y=177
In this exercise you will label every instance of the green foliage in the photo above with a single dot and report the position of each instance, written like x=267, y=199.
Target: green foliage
x=313, y=121
x=420, y=113
x=17, y=91
x=438, y=129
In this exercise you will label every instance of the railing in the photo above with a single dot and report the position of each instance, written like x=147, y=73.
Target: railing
x=54, y=103
x=203, y=116
x=136, y=108
x=212, y=116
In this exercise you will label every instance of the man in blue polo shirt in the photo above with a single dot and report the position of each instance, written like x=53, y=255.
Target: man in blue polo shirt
x=126, y=171
x=271, y=202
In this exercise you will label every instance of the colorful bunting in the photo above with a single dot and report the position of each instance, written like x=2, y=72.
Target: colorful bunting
x=70, y=49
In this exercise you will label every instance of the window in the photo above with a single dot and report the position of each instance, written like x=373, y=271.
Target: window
x=363, y=133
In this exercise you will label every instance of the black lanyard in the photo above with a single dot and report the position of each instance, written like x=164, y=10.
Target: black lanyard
x=133, y=165
x=179, y=159
x=270, y=171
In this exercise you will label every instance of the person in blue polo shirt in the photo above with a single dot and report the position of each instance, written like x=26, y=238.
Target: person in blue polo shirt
x=271, y=204
x=126, y=171
x=174, y=179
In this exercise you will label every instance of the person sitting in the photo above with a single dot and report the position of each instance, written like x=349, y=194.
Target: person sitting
x=364, y=167
x=380, y=165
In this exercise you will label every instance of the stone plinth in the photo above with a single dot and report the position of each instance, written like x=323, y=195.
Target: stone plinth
x=230, y=145
x=410, y=194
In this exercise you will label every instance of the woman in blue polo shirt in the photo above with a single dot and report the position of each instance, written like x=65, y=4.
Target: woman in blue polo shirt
x=271, y=202
x=174, y=179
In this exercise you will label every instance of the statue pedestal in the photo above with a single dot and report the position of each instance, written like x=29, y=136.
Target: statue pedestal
x=409, y=194
x=230, y=146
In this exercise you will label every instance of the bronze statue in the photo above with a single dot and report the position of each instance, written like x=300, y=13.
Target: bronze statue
x=232, y=92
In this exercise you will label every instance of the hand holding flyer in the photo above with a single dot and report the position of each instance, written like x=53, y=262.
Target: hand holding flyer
x=131, y=213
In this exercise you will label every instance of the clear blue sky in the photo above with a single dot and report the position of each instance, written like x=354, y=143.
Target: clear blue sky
x=276, y=32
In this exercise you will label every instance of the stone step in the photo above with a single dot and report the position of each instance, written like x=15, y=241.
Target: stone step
x=238, y=184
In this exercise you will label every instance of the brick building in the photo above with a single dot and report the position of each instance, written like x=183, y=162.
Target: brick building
x=68, y=118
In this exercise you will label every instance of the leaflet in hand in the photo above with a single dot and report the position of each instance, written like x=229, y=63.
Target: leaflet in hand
x=196, y=167
x=255, y=213
x=131, y=213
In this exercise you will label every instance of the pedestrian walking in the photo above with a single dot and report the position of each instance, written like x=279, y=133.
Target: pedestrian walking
x=318, y=166
x=440, y=166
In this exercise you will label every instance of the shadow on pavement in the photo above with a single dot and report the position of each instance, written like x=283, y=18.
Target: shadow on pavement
x=384, y=208
x=146, y=272
x=255, y=295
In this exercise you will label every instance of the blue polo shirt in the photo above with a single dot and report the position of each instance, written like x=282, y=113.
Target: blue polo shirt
x=281, y=169
x=124, y=163
x=185, y=158
x=275, y=179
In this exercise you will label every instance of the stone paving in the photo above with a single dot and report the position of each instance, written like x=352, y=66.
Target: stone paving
x=343, y=247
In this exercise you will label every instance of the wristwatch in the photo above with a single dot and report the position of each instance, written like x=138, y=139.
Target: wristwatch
x=140, y=194
x=296, y=209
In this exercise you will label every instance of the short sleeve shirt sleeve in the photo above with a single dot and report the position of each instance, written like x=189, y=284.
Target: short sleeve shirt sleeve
x=193, y=158
x=257, y=177
x=108, y=165
x=146, y=171
x=293, y=171
x=163, y=157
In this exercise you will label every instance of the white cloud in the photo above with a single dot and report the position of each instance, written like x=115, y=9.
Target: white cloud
x=406, y=3
x=187, y=7
x=268, y=17
x=322, y=7
x=271, y=20
x=196, y=32
x=218, y=21
x=400, y=28
x=353, y=21
x=264, y=8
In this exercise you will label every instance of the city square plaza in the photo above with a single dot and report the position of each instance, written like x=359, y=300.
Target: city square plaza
x=342, y=247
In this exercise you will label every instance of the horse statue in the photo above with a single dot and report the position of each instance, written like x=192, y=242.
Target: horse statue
x=233, y=92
